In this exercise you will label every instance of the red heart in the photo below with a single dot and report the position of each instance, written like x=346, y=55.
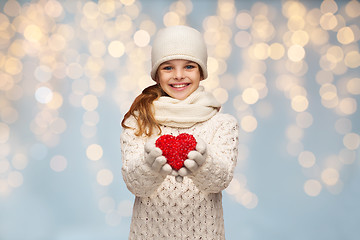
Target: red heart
x=176, y=149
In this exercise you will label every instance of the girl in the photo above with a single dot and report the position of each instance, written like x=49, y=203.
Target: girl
x=183, y=204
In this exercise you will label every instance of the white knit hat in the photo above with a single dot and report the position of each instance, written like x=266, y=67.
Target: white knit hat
x=178, y=42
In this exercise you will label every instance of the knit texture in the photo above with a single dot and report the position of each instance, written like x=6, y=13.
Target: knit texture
x=198, y=107
x=191, y=209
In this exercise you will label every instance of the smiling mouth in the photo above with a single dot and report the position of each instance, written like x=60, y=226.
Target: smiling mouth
x=180, y=85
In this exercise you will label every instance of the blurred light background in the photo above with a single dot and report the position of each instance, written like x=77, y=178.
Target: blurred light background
x=288, y=70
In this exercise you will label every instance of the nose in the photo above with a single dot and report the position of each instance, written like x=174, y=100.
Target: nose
x=179, y=74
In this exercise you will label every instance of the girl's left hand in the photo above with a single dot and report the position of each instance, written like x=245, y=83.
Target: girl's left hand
x=195, y=159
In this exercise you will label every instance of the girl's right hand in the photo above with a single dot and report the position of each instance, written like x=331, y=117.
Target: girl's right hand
x=154, y=158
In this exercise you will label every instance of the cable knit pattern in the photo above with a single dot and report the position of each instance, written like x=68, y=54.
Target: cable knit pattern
x=191, y=209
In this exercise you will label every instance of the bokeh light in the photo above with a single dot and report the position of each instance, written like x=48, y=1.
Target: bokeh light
x=94, y=152
x=250, y=96
x=330, y=176
x=104, y=177
x=89, y=102
x=69, y=71
x=15, y=179
x=19, y=161
x=351, y=141
x=248, y=123
x=312, y=187
x=58, y=163
x=116, y=49
x=296, y=53
x=307, y=159
x=141, y=38
x=299, y=103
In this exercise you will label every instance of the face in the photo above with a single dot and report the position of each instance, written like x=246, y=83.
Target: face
x=179, y=78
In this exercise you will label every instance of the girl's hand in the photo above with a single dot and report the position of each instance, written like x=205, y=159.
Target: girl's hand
x=178, y=178
x=195, y=159
x=154, y=158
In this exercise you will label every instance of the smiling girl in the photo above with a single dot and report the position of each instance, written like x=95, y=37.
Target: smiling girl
x=179, y=78
x=184, y=203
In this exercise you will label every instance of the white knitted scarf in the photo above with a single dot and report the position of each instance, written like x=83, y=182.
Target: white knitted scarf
x=198, y=107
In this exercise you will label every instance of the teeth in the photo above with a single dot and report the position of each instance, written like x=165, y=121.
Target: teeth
x=179, y=85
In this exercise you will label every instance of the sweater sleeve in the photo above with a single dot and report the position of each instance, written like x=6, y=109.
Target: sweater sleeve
x=217, y=172
x=139, y=178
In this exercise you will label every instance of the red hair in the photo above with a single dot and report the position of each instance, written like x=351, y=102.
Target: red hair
x=143, y=111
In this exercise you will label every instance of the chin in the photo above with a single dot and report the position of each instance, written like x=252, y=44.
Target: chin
x=180, y=97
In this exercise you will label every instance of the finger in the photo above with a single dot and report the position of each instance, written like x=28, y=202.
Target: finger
x=197, y=157
x=179, y=178
x=158, y=163
x=200, y=146
x=183, y=171
x=166, y=169
x=191, y=165
x=174, y=172
x=156, y=152
x=149, y=145
x=150, y=157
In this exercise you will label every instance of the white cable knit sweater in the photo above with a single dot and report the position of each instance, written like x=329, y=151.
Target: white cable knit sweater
x=192, y=209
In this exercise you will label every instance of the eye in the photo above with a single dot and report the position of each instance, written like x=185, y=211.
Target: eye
x=190, y=66
x=167, y=68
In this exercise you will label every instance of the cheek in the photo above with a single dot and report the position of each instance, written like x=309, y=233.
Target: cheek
x=158, y=79
x=197, y=78
x=164, y=86
x=162, y=81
